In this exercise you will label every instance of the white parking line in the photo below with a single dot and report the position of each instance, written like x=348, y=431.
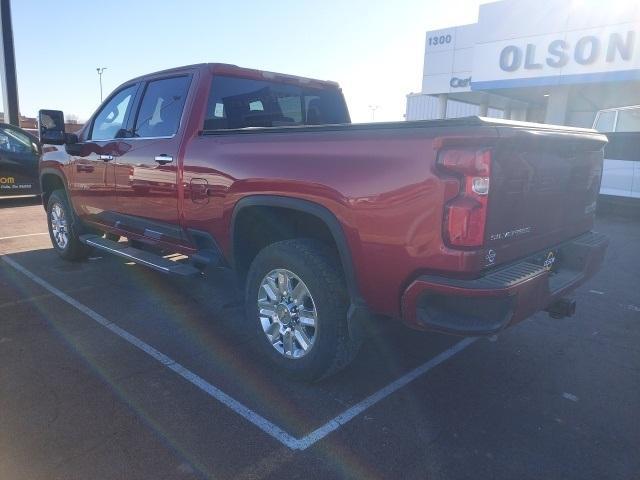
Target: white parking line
x=371, y=400
x=259, y=421
x=25, y=235
x=242, y=410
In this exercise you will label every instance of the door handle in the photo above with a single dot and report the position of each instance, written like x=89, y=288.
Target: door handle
x=106, y=158
x=84, y=168
x=163, y=159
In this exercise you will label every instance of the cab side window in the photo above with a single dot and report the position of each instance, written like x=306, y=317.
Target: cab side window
x=14, y=141
x=161, y=107
x=111, y=118
x=628, y=120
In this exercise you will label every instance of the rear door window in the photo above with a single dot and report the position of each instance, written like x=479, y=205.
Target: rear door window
x=244, y=103
x=161, y=107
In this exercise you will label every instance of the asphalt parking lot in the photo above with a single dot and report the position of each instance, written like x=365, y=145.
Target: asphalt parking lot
x=111, y=371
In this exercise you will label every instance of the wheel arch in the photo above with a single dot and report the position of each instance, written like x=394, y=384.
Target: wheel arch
x=51, y=179
x=358, y=309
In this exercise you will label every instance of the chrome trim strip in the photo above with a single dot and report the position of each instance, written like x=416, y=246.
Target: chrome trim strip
x=153, y=233
x=146, y=138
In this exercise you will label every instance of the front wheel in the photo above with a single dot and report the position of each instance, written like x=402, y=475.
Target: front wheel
x=297, y=297
x=63, y=228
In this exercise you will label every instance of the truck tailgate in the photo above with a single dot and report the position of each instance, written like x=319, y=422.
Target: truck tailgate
x=544, y=187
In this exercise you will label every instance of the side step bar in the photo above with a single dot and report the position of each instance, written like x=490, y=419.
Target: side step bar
x=141, y=257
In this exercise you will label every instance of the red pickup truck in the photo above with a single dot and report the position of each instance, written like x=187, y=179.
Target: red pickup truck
x=464, y=226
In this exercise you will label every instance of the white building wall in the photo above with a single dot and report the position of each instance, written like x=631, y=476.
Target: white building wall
x=520, y=49
x=421, y=107
x=457, y=109
x=448, y=54
x=425, y=107
x=495, y=113
x=584, y=32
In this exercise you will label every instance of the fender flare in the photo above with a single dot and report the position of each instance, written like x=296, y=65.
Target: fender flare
x=55, y=172
x=358, y=310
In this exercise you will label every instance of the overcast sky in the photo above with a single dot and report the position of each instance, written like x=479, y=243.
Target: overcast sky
x=374, y=49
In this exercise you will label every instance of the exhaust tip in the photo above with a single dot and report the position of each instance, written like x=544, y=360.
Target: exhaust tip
x=564, y=307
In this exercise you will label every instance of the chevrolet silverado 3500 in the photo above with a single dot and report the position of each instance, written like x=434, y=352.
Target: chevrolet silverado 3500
x=465, y=226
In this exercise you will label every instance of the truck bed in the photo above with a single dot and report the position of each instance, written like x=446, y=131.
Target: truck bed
x=472, y=121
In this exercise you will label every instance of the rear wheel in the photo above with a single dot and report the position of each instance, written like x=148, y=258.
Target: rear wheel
x=297, y=298
x=64, y=228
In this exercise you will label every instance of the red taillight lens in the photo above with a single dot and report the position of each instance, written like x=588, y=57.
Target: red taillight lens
x=469, y=162
x=465, y=215
x=464, y=220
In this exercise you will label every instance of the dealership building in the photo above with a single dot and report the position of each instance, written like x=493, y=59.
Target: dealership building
x=552, y=61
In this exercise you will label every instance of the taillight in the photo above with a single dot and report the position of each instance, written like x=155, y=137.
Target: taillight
x=465, y=215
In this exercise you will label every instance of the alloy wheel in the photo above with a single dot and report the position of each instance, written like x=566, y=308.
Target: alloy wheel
x=59, y=226
x=287, y=313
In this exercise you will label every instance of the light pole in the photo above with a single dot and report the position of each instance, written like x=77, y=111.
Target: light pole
x=100, y=70
x=8, y=76
x=373, y=109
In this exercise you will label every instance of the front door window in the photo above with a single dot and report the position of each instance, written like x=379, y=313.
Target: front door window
x=111, y=119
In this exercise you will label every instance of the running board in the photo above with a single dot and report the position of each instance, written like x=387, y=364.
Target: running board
x=138, y=256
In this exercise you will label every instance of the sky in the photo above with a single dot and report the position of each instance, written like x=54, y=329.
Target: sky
x=373, y=48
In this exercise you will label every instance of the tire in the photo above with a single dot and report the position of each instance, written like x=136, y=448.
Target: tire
x=329, y=347
x=64, y=228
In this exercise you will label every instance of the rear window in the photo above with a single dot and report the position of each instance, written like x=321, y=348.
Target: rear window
x=241, y=103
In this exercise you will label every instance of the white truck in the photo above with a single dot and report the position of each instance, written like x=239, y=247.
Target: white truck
x=621, y=169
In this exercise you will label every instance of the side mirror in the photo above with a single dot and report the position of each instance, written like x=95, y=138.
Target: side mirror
x=51, y=124
x=124, y=133
x=72, y=146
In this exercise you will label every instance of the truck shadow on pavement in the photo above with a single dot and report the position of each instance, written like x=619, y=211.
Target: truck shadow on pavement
x=11, y=202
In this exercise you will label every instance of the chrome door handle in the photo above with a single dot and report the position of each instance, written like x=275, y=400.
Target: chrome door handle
x=106, y=158
x=163, y=159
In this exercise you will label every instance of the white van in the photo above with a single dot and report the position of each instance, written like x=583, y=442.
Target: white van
x=621, y=171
